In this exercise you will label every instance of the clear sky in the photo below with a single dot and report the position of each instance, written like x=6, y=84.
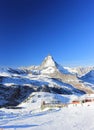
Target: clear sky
x=32, y=29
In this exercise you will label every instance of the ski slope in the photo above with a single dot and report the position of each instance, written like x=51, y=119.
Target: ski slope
x=80, y=117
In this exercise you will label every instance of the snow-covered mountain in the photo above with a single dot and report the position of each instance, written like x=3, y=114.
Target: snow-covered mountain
x=16, y=85
x=49, y=65
x=89, y=77
x=80, y=71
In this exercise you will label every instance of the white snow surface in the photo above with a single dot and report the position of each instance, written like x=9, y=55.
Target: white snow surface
x=80, y=117
x=71, y=70
x=73, y=118
x=48, y=70
x=63, y=69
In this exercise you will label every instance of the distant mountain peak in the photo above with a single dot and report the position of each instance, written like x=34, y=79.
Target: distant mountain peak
x=48, y=61
x=49, y=66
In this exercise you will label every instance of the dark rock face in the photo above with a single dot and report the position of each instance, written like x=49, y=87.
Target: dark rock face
x=60, y=91
x=14, y=95
x=44, y=88
x=1, y=79
x=17, y=71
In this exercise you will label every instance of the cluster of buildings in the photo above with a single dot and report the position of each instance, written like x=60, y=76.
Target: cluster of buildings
x=75, y=102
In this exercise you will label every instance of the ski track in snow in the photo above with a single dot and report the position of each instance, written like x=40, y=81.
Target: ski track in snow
x=73, y=118
x=7, y=118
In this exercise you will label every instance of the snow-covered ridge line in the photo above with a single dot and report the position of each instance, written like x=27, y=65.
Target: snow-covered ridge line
x=16, y=85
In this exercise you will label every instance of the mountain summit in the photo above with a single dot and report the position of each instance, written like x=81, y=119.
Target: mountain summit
x=48, y=62
x=49, y=65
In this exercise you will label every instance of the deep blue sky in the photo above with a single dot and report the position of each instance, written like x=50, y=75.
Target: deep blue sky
x=32, y=29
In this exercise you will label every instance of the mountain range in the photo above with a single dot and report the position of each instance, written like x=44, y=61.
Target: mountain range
x=17, y=85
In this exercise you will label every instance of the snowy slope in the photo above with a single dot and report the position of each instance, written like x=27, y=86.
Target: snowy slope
x=89, y=77
x=80, y=71
x=71, y=70
x=71, y=117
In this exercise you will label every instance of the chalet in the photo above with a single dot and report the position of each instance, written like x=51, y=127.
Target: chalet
x=75, y=102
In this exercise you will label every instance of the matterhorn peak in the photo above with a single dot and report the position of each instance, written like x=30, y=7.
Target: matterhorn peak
x=49, y=65
x=48, y=61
